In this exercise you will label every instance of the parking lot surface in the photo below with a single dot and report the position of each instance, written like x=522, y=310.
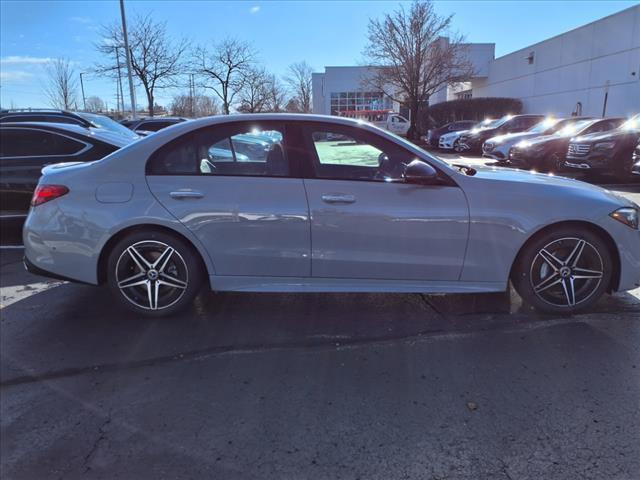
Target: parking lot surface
x=315, y=386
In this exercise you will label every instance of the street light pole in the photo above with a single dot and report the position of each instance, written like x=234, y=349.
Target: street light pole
x=84, y=101
x=126, y=47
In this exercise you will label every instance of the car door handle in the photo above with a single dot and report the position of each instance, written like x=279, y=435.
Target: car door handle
x=183, y=194
x=338, y=198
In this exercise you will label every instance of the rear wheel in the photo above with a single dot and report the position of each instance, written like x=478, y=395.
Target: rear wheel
x=563, y=271
x=555, y=162
x=154, y=273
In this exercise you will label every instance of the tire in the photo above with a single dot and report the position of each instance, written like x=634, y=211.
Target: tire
x=456, y=146
x=554, y=283
x=143, y=282
x=555, y=163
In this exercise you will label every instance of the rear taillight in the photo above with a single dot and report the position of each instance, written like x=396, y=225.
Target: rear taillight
x=46, y=193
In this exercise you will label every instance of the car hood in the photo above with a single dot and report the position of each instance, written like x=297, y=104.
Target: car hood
x=512, y=137
x=544, y=183
x=454, y=134
x=604, y=136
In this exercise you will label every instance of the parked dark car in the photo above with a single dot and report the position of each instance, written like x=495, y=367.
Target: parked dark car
x=636, y=160
x=145, y=126
x=472, y=140
x=547, y=153
x=433, y=136
x=610, y=152
x=497, y=148
x=26, y=147
x=92, y=121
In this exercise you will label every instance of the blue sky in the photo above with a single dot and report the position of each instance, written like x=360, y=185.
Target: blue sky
x=322, y=33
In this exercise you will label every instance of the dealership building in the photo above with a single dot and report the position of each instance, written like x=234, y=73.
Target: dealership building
x=585, y=71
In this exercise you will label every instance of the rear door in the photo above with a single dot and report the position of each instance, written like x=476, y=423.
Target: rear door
x=237, y=188
x=367, y=222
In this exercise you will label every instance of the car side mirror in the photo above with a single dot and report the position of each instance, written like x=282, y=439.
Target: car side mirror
x=420, y=173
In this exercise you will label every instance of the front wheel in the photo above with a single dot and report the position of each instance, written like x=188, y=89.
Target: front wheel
x=563, y=271
x=154, y=273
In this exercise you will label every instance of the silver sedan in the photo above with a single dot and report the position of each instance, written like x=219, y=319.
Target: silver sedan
x=326, y=205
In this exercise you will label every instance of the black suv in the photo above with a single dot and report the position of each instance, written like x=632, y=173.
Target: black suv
x=433, y=136
x=145, y=126
x=26, y=147
x=93, y=121
x=608, y=152
x=548, y=152
x=472, y=140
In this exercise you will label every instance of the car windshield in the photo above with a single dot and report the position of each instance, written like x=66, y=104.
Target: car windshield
x=573, y=128
x=548, y=125
x=105, y=122
x=632, y=124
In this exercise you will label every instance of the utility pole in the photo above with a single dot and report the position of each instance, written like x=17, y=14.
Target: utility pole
x=119, y=86
x=126, y=47
x=84, y=101
x=192, y=94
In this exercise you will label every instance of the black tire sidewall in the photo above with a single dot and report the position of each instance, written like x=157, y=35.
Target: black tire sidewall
x=521, y=278
x=190, y=257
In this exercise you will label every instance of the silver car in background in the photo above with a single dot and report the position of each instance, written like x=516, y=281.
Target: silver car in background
x=328, y=204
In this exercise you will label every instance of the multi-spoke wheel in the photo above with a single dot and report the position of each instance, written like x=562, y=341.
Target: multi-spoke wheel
x=563, y=271
x=154, y=273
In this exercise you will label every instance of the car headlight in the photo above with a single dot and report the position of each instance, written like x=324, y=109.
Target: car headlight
x=604, y=145
x=627, y=215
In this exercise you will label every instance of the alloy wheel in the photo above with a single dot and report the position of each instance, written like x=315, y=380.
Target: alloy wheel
x=566, y=272
x=152, y=275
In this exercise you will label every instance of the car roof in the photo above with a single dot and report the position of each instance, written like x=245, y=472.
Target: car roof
x=100, y=134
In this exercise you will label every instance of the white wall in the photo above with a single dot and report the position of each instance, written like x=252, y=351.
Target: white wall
x=574, y=67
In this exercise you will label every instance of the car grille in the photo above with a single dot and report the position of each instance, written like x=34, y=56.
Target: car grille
x=578, y=149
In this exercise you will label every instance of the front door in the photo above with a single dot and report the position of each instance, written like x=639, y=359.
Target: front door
x=367, y=223
x=233, y=186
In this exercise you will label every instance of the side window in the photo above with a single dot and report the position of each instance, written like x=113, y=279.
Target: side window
x=37, y=143
x=152, y=126
x=358, y=156
x=226, y=150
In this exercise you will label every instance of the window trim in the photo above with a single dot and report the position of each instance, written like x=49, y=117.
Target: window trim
x=295, y=169
x=86, y=148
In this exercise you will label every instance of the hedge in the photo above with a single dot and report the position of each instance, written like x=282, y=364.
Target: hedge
x=470, y=109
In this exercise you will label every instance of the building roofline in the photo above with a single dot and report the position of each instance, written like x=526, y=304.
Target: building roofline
x=568, y=31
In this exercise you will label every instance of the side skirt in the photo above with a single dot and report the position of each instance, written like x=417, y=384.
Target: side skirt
x=310, y=284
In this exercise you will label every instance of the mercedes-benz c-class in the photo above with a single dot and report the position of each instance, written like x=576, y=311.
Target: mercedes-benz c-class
x=303, y=203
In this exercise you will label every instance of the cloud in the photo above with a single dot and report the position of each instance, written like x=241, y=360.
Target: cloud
x=254, y=9
x=14, y=76
x=24, y=60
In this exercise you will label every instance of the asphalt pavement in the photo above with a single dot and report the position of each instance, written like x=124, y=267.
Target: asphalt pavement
x=315, y=386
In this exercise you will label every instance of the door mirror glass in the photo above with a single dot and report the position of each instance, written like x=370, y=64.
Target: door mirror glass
x=421, y=173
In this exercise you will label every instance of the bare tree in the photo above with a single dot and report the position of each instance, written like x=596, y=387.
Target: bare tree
x=62, y=86
x=276, y=95
x=254, y=95
x=156, y=60
x=224, y=69
x=299, y=80
x=94, y=104
x=413, y=56
x=196, y=106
